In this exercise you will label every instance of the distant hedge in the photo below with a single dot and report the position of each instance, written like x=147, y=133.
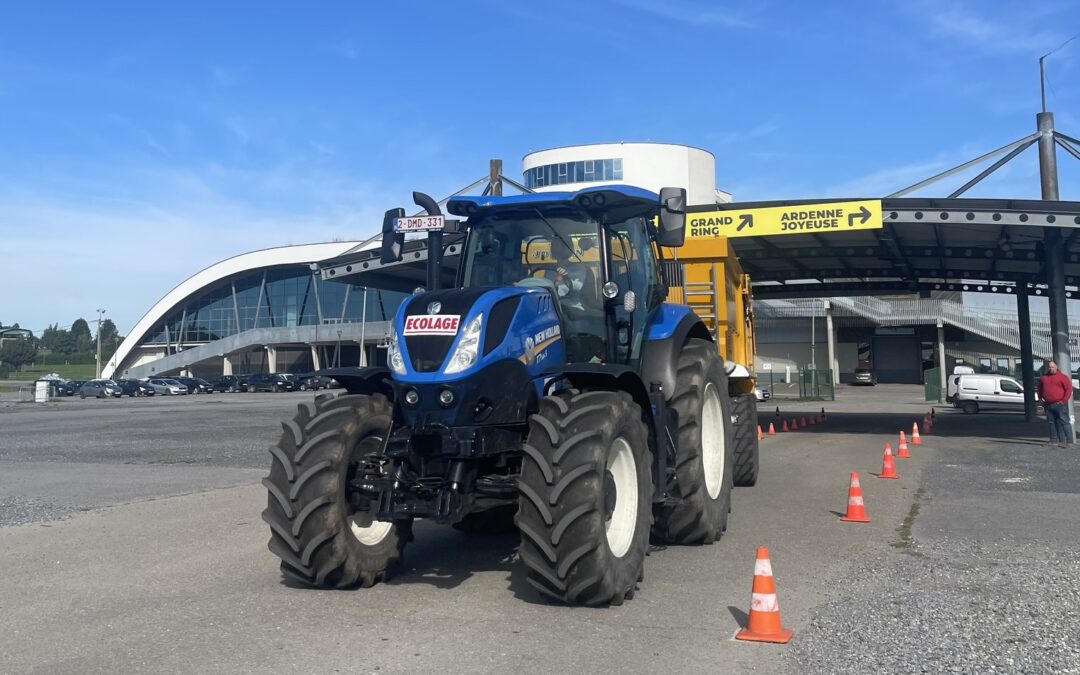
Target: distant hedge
x=54, y=359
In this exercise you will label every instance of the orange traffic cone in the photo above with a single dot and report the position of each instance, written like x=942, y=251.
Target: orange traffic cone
x=802, y=423
x=812, y=420
x=760, y=433
x=888, y=469
x=856, y=510
x=772, y=429
x=901, y=449
x=794, y=424
x=928, y=423
x=915, y=439
x=784, y=428
x=764, y=624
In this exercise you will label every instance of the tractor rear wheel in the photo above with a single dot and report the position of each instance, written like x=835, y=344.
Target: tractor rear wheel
x=745, y=438
x=704, y=455
x=321, y=541
x=585, y=503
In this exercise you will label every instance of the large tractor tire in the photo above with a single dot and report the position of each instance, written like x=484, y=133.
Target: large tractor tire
x=745, y=438
x=313, y=529
x=585, y=504
x=704, y=457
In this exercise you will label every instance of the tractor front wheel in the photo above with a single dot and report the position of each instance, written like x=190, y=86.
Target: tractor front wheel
x=585, y=498
x=320, y=539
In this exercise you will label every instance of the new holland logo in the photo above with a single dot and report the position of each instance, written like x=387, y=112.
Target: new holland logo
x=434, y=307
x=530, y=349
x=432, y=324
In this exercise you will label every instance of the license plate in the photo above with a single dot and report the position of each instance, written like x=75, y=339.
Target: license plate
x=419, y=224
x=432, y=324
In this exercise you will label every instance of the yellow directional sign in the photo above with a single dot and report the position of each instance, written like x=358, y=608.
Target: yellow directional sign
x=802, y=219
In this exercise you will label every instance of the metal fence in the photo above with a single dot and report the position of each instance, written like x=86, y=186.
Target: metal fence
x=816, y=384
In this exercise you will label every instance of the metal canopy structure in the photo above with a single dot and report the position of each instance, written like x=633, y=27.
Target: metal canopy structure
x=988, y=245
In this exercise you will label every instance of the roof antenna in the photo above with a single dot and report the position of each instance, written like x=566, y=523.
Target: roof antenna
x=1042, y=69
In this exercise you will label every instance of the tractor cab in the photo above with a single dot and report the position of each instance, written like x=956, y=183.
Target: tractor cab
x=592, y=250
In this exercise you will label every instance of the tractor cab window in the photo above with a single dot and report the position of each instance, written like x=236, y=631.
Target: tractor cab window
x=634, y=270
x=558, y=250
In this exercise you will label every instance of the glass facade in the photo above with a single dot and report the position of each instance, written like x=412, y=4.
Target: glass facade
x=585, y=171
x=270, y=298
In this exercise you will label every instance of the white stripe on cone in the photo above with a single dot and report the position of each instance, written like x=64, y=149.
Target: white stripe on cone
x=763, y=568
x=764, y=602
x=855, y=483
x=855, y=501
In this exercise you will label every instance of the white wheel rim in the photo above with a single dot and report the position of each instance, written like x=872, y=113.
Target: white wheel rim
x=620, y=527
x=712, y=441
x=368, y=531
x=372, y=534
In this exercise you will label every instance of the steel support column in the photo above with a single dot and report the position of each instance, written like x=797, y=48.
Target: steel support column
x=943, y=381
x=1055, y=250
x=1027, y=361
x=830, y=332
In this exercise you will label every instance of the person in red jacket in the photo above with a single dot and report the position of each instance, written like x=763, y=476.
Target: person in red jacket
x=1055, y=391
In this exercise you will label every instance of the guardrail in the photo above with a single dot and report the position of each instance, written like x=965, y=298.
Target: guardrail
x=1000, y=327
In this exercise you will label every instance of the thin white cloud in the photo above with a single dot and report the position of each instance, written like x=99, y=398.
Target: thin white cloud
x=690, y=13
x=1021, y=30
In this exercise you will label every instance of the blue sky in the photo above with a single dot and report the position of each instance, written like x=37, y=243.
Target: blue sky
x=141, y=142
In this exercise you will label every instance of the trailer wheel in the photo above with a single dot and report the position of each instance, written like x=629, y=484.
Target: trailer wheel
x=585, y=498
x=319, y=537
x=704, y=455
x=746, y=445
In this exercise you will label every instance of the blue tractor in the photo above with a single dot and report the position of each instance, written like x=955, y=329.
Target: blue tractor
x=552, y=385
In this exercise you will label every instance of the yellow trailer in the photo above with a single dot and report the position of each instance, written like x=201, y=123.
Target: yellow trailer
x=711, y=281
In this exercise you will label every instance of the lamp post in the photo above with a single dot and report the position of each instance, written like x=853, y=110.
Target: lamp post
x=97, y=358
x=338, y=355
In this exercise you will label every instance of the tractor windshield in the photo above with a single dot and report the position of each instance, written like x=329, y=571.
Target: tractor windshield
x=558, y=250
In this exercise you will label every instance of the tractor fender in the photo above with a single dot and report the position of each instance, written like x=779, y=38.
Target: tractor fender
x=613, y=376
x=372, y=380
x=665, y=339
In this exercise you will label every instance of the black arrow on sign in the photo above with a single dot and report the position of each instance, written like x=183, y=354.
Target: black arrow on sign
x=863, y=215
x=745, y=220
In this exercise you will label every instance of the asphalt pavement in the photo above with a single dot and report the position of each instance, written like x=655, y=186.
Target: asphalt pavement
x=131, y=541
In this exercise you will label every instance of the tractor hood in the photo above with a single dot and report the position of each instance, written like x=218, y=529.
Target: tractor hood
x=434, y=328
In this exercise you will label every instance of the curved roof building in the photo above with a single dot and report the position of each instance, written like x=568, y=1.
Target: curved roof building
x=263, y=311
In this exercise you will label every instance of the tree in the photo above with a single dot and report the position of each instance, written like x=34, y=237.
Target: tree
x=84, y=339
x=108, y=331
x=18, y=353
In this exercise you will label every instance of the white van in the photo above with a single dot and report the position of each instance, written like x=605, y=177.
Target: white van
x=988, y=392
x=952, y=384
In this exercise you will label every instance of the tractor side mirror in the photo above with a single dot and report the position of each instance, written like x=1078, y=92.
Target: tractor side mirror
x=391, y=241
x=672, y=230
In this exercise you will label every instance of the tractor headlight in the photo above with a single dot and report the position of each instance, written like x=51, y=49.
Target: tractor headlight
x=465, y=353
x=393, y=356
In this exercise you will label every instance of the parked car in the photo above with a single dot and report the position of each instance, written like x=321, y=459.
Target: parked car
x=865, y=376
x=316, y=382
x=167, y=386
x=195, y=385
x=988, y=392
x=71, y=387
x=101, y=389
x=135, y=388
x=269, y=382
x=762, y=394
x=232, y=383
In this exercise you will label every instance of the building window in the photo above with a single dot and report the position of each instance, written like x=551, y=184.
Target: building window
x=585, y=171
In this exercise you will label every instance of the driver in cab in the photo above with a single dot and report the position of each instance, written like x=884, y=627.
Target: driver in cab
x=570, y=276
